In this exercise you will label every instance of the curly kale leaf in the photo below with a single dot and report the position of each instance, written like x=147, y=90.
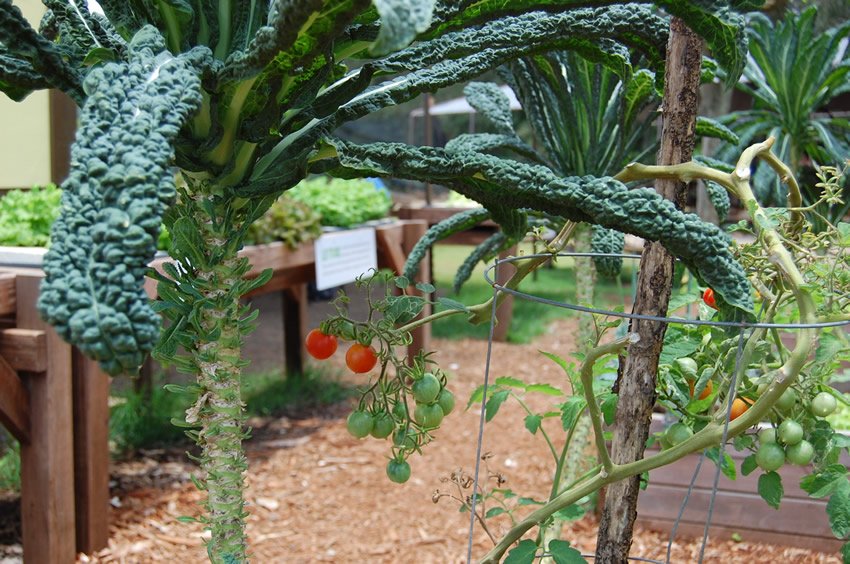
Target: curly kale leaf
x=489, y=100
x=607, y=241
x=401, y=21
x=453, y=58
x=707, y=127
x=499, y=183
x=25, y=44
x=722, y=28
x=719, y=198
x=493, y=245
x=118, y=188
x=455, y=224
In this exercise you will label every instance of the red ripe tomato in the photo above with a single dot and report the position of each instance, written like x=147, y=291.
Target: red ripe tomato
x=319, y=345
x=708, y=298
x=360, y=358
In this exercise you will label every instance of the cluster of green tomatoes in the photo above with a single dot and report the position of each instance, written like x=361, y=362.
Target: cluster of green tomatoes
x=786, y=439
x=405, y=404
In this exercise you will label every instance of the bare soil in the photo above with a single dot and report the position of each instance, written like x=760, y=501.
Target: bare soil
x=316, y=494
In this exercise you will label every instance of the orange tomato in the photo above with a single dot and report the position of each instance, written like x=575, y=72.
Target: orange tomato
x=705, y=391
x=739, y=407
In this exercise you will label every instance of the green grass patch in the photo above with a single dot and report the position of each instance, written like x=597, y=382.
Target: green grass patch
x=10, y=464
x=269, y=393
x=530, y=319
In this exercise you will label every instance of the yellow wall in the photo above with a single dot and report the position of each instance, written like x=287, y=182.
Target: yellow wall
x=25, y=128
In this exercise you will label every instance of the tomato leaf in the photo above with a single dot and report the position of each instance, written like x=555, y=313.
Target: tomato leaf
x=449, y=303
x=572, y=512
x=402, y=282
x=608, y=406
x=571, y=410
x=728, y=465
x=569, y=370
x=838, y=511
x=523, y=553
x=770, y=488
x=748, y=465
x=532, y=423
x=563, y=553
x=494, y=403
x=547, y=389
x=476, y=396
x=425, y=288
x=528, y=501
x=824, y=482
x=510, y=382
x=494, y=511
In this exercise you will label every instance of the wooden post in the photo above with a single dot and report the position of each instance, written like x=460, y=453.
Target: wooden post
x=636, y=378
x=505, y=311
x=47, y=464
x=294, y=328
x=91, y=453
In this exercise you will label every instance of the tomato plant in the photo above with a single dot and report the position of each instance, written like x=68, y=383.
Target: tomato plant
x=706, y=391
x=790, y=432
x=360, y=423
x=824, y=404
x=428, y=415
x=709, y=299
x=770, y=457
x=446, y=401
x=398, y=471
x=426, y=388
x=801, y=453
x=319, y=345
x=678, y=433
x=383, y=425
x=739, y=407
x=360, y=358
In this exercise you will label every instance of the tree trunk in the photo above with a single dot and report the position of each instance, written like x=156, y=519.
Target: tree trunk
x=637, y=374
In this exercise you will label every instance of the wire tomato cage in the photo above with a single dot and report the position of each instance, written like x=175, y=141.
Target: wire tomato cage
x=742, y=326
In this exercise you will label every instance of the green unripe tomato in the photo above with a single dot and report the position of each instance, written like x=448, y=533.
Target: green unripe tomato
x=383, y=425
x=770, y=457
x=823, y=404
x=425, y=389
x=400, y=410
x=790, y=432
x=446, y=401
x=403, y=438
x=800, y=454
x=767, y=436
x=678, y=433
x=688, y=367
x=398, y=471
x=786, y=401
x=429, y=416
x=360, y=423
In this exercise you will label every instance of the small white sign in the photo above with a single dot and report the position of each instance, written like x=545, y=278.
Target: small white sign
x=342, y=256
